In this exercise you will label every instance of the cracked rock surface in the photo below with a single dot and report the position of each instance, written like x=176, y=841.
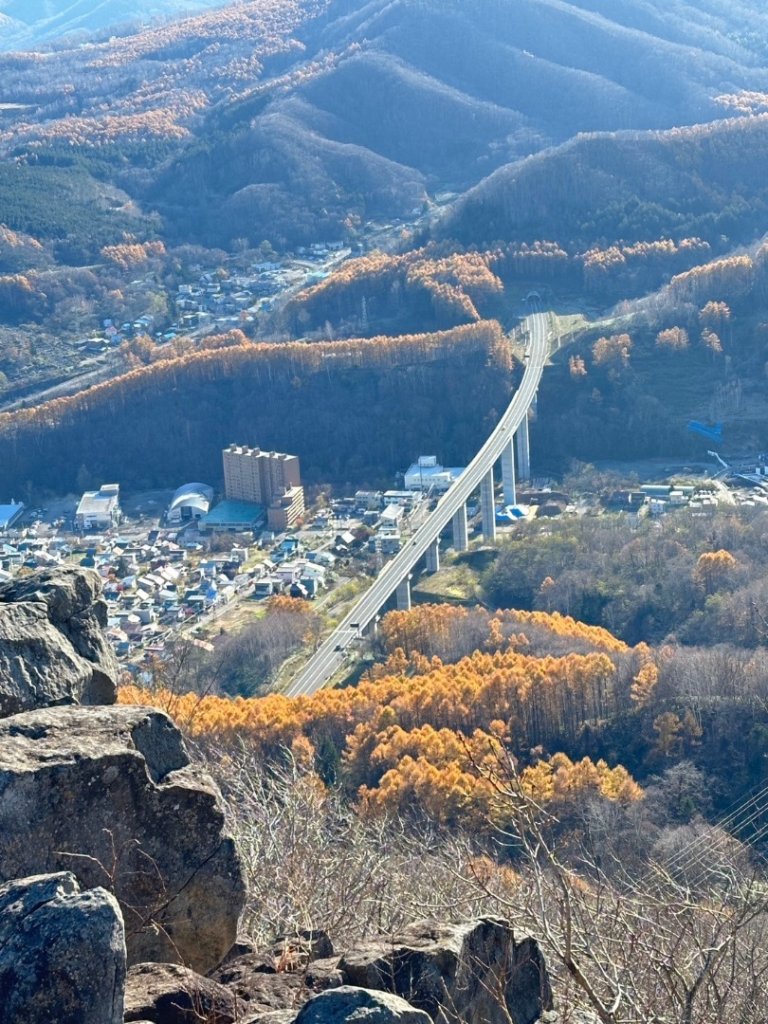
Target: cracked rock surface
x=475, y=972
x=108, y=793
x=52, y=646
x=62, y=953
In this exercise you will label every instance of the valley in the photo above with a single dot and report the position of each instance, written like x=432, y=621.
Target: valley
x=382, y=416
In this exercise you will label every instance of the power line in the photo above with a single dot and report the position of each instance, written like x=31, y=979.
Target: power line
x=695, y=850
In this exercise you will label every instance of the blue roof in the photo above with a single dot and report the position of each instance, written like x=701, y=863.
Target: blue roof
x=234, y=513
x=8, y=513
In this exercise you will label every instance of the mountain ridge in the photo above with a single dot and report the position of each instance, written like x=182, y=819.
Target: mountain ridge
x=255, y=100
x=692, y=180
x=31, y=24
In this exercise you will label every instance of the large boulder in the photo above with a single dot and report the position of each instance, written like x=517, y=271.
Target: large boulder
x=62, y=953
x=339, y=1005
x=323, y=974
x=108, y=793
x=52, y=645
x=479, y=972
x=242, y=946
x=172, y=994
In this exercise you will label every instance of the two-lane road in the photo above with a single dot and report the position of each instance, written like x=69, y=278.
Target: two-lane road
x=330, y=655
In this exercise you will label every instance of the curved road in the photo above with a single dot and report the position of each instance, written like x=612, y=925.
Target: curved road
x=330, y=655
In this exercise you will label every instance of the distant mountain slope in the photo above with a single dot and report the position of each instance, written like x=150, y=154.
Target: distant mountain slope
x=410, y=115
x=446, y=91
x=705, y=180
x=294, y=119
x=279, y=179
x=34, y=22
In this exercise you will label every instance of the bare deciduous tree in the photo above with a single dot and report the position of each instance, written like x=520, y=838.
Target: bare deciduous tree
x=668, y=945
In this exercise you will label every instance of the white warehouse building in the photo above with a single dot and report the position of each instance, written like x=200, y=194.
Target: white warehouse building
x=99, y=510
x=426, y=474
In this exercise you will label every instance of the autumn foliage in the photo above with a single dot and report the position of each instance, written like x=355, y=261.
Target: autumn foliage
x=714, y=569
x=129, y=255
x=185, y=65
x=612, y=351
x=674, y=338
x=451, y=287
x=309, y=396
x=434, y=737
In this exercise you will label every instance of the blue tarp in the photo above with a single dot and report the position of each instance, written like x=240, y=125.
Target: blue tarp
x=712, y=433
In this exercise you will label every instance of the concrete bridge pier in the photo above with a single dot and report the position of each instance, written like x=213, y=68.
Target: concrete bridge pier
x=523, y=450
x=488, y=506
x=508, y=474
x=460, y=530
x=433, y=556
x=372, y=629
x=403, y=595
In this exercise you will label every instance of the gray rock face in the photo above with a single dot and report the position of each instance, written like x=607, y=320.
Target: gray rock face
x=261, y=992
x=108, y=793
x=242, y=946
x=52, y=646
x=338, y=1005
x=323, y=974
x=272, y=1017
x=474, y=973
x=62, y=953
x=171, y=994
x=477, y=972
x=276, y=981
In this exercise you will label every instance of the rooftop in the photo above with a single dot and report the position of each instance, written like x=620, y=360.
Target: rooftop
x=241, y=449
x=234, y=513
x=101, y=502
x=9, y=513
x=196, y=492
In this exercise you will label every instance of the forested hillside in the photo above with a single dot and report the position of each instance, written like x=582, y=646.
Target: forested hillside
x=444, y=283
x=429, y=96
x=419, y=737
x=432, y=758
x=169, y=420
x=455, y=691
x=28, y=23
x=695, y=350
x=361, y=110
x=625, y=388
x=704, y=181
x=292, y=122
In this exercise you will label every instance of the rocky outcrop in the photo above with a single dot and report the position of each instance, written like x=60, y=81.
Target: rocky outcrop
x=261, y=992
x=62, y=953
x=477, y=972
x=460, y=971
x=272, y=1017
x=480, y=972
x=323, y=974
x=109, y=794
x=242, y=946
x=340, y=1005
x=278, y=979
x=52, y=647
x=106, y=797
x=171, y=994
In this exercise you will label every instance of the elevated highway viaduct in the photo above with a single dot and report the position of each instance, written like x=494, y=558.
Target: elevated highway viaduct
x=394, y=578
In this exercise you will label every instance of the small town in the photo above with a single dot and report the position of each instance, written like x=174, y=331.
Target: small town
x=383, y=512
x=180, y=563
